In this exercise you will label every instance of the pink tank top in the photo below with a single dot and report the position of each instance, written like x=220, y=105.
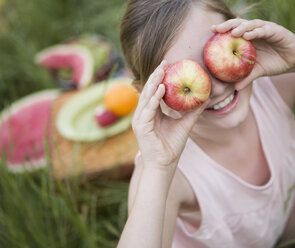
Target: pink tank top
x=236, y=214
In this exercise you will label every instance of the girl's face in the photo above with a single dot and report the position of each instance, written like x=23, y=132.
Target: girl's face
x=189, y=44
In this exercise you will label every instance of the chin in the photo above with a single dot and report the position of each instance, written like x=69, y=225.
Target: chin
x=235, y=119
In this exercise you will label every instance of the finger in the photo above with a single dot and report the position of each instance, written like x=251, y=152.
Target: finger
x=247, y=26
x=256, y=72
x=265, y=32
x=153, y=105
x=148, y=93
x=153, y=82
x=150, y=87
x=241, y=85
x=190, y=118
x=227, y=25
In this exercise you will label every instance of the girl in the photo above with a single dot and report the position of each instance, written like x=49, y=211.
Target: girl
x=209, y=178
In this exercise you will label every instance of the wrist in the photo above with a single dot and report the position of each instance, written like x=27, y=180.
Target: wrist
x=164, y=172
x=159, y=174
x=160, y=164
x=155, y=181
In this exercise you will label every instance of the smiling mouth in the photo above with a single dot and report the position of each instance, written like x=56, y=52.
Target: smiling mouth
x=224, y=103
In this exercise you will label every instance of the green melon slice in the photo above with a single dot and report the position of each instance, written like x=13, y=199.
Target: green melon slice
x=75, y=57
x=104, y=54
x=76, y=119
x=24, y=130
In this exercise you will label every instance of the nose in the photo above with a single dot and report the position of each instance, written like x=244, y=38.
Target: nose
x=218, y=87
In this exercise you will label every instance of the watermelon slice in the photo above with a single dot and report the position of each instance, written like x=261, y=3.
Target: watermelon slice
x=77, y=58
x=104, y=54
x=80, y=61
x=24, y=129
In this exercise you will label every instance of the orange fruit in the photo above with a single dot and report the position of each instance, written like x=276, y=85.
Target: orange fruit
x=121, y=99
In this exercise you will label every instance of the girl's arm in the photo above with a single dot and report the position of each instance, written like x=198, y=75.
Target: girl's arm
x=180, y=193
x=275, y=49
x=147, y=207
x=161, y=141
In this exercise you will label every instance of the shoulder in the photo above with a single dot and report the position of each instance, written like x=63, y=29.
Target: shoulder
x=285, y=85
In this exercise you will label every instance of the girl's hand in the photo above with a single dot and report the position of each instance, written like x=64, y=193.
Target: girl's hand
x=161, y=139
x=275, y=46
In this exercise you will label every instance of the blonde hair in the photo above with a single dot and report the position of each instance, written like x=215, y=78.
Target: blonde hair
x=149, y=27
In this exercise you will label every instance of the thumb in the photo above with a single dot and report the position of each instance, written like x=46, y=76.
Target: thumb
x=190, y=118
x=249, y=79
x=242, y=84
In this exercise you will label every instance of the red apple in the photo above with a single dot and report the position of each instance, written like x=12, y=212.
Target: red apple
x=187, y=85
x=104, y=117
x=229, y=58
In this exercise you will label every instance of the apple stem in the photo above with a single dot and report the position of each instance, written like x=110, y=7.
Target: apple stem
x=241, y=57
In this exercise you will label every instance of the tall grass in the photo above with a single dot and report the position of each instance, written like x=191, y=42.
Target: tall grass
x=36, y=211
x=281, y=12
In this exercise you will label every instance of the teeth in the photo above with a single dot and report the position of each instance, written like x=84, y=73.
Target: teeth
x=224, y=103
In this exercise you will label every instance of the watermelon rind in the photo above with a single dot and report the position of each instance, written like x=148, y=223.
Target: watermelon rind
x=76, y=119
x=48, y=94
x=68, y=49
x=27, y=166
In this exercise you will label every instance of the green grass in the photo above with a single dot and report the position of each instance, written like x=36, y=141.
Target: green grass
x=281, y=12
x=35, y=210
